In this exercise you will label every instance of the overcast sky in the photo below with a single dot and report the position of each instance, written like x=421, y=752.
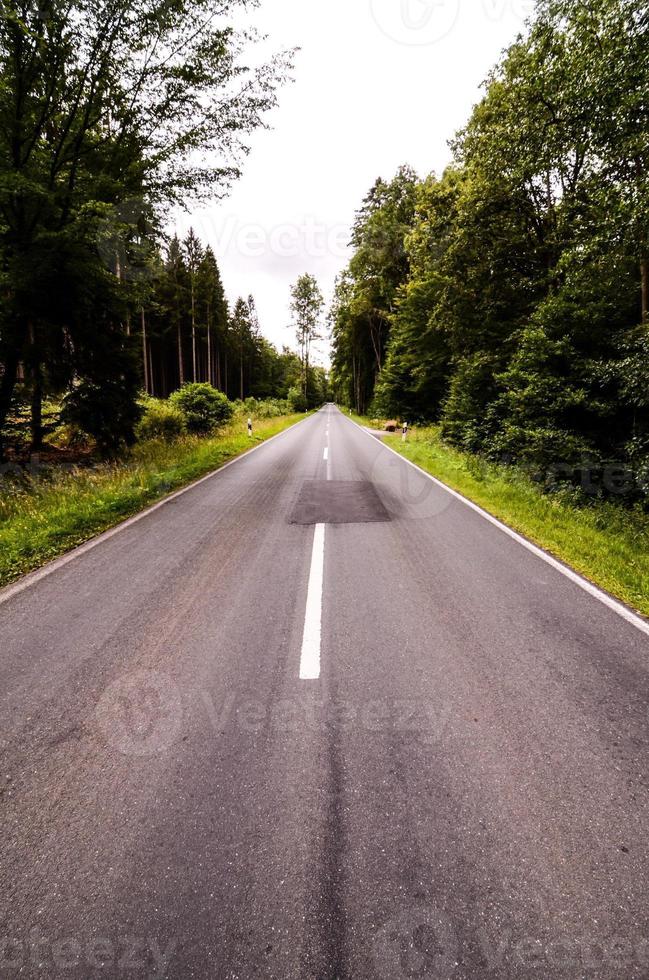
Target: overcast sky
x=377, y=83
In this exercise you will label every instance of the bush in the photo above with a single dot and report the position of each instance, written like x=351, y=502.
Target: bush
x=71, y=437
x=202, y=405
x=296, y=400
x=161, y=420
x=105, y=410
x=265, y=408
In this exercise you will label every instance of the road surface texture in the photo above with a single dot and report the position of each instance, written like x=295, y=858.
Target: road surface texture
x=317, y=718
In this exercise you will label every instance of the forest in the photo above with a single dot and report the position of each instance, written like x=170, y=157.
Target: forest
x=185, y=332
x=113, y=116
x=507, y=299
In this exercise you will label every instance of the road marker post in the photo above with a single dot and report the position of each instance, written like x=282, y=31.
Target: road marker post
x=250, y=427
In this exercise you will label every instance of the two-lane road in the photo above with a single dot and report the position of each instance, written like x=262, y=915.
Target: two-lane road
x=318, y=718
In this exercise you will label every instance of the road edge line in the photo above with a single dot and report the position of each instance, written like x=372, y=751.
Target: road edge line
x=32, y=578
x=626, y=613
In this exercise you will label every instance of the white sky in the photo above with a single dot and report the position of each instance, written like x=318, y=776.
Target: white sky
x=377, y=83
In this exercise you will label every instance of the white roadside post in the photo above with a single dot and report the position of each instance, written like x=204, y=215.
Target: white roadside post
x=250, y=427
x=404, y=432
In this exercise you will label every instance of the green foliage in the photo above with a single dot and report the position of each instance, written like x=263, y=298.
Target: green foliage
x=297, y=400
x=509, y=300
x=366, y=294
x=606, y=542
x=306, y=306
x=471, y=388
x=103, y=401
x=105, y=410
x=267, y=408
x=111, y=113
x=161, y=420
x=203, y=406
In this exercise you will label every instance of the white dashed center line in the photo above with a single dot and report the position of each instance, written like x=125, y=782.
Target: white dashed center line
x=311, y=638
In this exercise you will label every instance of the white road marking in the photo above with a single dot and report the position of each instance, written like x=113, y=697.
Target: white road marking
x=325, y=455
x=9, y=591
x=311, y=638
x=617, y=607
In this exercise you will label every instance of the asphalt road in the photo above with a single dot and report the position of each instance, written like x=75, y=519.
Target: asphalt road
x=459, y=791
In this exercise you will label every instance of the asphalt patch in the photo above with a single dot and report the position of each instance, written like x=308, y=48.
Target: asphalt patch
x=338, y=502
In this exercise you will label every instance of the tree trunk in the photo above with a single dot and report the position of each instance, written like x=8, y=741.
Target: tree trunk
x=36, y=400
x=145, y=353
x=8, y=386
x=644, y=289
x=152, y=387
x=193, y=334
x=37, y=408
x=209, y=348
x=375, y=337
x=181, y=363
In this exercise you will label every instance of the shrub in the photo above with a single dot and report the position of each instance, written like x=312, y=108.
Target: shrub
x=270, y=408
x=161, y=420
x=71, y=437
x=262, y=408
x=202, y=405
x=106, y=411
x=296, y=400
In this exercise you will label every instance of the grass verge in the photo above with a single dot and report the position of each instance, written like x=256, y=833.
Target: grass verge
x=606, y=542
x=44, y=517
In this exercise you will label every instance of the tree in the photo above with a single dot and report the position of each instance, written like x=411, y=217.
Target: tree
x=241, y=334
x=194, y=257
x=512, y=305
x=110, y=112
x=366, y=295
x=306, y=306
x=213, y=310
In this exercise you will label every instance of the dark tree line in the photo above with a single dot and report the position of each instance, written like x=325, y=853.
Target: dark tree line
x=186, y=332
x=509, y=298
x=111, y=111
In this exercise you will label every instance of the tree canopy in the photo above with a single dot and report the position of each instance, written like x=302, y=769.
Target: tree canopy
x=111, y=111
x=512, y=304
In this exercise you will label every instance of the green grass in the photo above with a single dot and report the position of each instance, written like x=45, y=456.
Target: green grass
x=45, y=517
x=605, y=542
